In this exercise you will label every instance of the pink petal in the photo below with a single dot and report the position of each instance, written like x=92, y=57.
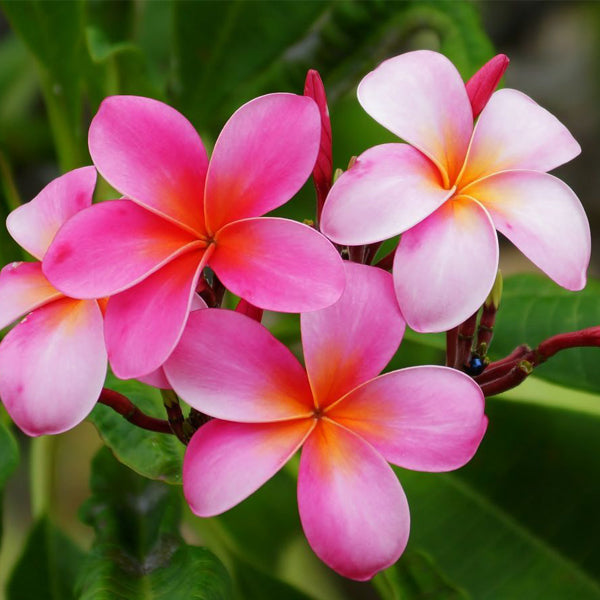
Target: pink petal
x=513, y=132
x=144, y=323
x=278, y=264
x=543, y=217
x=483, y=83
x=323, y=170
x=445, y=266
x=156, y=379
x=229, y=366
x=226, y=462
x=111, y=246
x=351, y=342
x=420, y=96
x=263, y=156
x=52, y=366
x=34, y=224
x=352, y=507
x=23, y=288
x=152, y=154
x=422, y=418
x=389, y=189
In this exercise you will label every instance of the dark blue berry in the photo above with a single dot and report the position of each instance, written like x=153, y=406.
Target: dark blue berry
x=475, y=366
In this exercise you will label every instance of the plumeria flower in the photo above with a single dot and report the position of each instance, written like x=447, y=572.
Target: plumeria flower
x=348, y=420
x=181, y=214
x=452, y=183
x=53, y=363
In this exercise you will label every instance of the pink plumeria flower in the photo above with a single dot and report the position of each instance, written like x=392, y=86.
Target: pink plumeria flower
x=182, y=214
x=53, y=363
x=348, y=420
x=448, y=188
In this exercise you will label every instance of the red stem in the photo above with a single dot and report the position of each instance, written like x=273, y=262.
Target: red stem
x=132, y=413
x=499, y=378
x=451, y=346
x=466, y=332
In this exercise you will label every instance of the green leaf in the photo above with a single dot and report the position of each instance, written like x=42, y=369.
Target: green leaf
x=519, y=520
x=415, y=577
x=138, y=552
x=151, y=454
x=60, y=58
x=48, y=566
x=534, y=308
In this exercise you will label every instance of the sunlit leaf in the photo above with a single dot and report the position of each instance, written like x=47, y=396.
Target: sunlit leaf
x=153, y=455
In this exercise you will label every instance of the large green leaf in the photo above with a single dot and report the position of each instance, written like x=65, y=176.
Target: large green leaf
x=534, y=308
x=151, y=454
x=48, y=566
x=138, y=552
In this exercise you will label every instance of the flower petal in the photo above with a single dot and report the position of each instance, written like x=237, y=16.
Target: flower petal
x=262, y=157
x=278, y=264
x=144, y=323
x=421, y=418
x=483, y=83
x=111, y=246
x=152, y=154
x=542, y=217
x=514, y=132
x=23, y=288
x=389, y=189
x=52, y=366
x=229, y=366
x=156, y=379
x=445, y=266
x=352, y=507
x=351, y=342
x=420, y=96
x=34, y=224
x=226, y=462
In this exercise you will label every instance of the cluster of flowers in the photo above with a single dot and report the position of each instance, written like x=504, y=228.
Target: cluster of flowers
x=119, y=281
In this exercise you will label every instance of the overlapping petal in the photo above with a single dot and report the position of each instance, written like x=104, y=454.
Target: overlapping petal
x=152, y=154
x=420, y=96
x=225, y=462
x=23, y=287
x=229, y=366
x=34, y=224
x=263, y=156
x=514, y=132
x=111, y=246
x=53, y=366
x=352, y=507
x=542, y=217
x=445, y=266
x=389, y=189
x=420, y=418
x=351, y=342
x=278, y=264
x=144, y=323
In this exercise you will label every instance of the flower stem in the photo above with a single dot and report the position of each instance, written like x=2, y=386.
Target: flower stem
x=509, y=372
x=175, y=416
x=132, y=413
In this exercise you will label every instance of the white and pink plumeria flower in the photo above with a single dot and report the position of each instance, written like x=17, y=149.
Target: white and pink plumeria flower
x=452, y=184
x=348, y=419
x=53, y=363
x=180, y=215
